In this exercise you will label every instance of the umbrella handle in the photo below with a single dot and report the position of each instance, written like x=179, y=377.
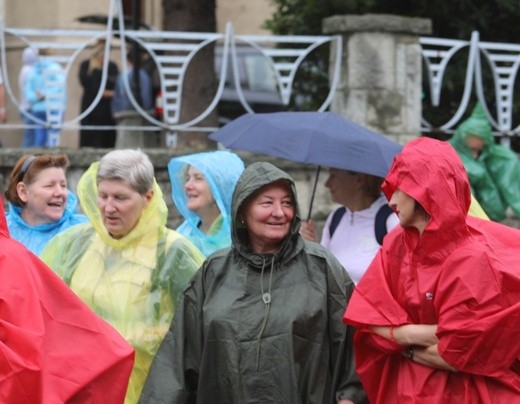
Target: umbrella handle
x=313, y=192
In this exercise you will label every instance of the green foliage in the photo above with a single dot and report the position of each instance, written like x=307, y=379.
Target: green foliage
x=495, y=20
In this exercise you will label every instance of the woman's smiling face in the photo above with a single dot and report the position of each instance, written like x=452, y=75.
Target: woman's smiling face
x=198, y=193
x=268, y=217
x=44, y=198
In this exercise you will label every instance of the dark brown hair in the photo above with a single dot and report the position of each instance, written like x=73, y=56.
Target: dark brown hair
x=27, y=168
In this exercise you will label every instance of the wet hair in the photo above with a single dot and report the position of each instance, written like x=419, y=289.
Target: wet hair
x=419, y=208
x=372, y=185
x=27, y=168
x=133, y=166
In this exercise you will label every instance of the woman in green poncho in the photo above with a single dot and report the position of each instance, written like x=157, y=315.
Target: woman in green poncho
x=493, y=170
x=125, y=264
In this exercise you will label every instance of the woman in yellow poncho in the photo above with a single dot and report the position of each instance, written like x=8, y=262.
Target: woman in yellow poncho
x=125, y=264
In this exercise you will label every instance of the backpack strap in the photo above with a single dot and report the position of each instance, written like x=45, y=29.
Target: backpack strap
x=380, y=222
x=336, y=218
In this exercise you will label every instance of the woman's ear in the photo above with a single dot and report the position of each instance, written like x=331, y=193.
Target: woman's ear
x=21, y=190
x=148, y=197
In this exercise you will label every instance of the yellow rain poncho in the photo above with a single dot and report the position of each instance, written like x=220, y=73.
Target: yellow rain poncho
x=134, y=282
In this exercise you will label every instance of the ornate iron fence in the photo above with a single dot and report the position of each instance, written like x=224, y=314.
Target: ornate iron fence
x=502, y=60
x=172, y=53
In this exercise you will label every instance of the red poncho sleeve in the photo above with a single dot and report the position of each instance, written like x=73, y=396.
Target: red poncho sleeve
x=53, y=348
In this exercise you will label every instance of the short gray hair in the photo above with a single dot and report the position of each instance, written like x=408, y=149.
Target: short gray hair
x=130, y=165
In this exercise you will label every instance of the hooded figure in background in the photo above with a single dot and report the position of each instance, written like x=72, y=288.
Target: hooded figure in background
x=438, y=310
x=53, y=348
x=261, y=320
x=202, y=188
x=46, y=93
x=493, y=170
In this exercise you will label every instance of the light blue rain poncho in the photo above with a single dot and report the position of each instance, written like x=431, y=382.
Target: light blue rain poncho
x=36, y=237
x=46, y=78
x=221, y=169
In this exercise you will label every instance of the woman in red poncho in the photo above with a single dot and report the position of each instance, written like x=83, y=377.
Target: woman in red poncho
x=438, y=310
x=53, y=348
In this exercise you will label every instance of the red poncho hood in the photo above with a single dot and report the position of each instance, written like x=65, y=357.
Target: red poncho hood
x=462, y=274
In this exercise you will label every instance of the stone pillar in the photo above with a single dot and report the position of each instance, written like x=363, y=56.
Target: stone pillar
x=130, y=138
x=381, y=76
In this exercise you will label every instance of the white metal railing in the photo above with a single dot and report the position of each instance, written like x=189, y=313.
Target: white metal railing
x=172, y=53
x=503, y=60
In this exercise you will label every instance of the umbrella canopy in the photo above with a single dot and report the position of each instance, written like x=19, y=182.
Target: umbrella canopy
x=320, y=138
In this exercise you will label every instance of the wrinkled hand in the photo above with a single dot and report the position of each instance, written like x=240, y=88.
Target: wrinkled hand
x=308, y=230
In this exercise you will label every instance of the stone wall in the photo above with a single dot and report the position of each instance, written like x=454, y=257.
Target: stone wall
x=304, y=176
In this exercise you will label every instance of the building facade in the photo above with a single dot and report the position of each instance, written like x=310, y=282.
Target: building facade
x=247, y=17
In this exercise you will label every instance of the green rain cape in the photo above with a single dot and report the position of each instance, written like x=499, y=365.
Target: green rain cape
x=495, y=175
x=227, y=345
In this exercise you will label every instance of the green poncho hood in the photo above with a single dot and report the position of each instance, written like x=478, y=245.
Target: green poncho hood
x=495, y=175
x=477, y=125
x=255, y=177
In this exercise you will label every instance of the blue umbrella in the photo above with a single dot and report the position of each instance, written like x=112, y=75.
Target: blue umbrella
x=320, y=138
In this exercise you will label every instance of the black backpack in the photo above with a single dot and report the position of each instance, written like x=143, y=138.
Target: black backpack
x=379, y=225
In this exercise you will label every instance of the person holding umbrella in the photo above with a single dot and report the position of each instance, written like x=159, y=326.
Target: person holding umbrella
x=437, y=311
x=355, y=231
x=261, y=320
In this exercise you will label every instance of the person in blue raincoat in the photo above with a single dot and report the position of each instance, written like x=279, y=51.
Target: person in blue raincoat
x=40, y=205
x=202, y=188
x=493, y=170
x=46, y=93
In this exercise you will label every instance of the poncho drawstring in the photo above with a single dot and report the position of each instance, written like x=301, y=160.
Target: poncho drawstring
x=266, y=298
